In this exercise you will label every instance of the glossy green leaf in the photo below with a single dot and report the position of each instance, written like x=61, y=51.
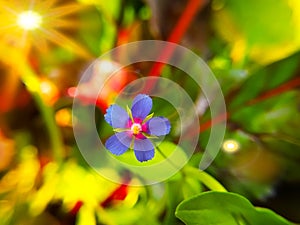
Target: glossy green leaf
x=220, y=208
x=256, y=19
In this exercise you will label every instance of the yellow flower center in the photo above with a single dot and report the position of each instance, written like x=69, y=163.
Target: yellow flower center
x=136, y=128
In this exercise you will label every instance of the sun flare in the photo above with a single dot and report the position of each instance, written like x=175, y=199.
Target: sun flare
x=29, y=20
x=27, y=24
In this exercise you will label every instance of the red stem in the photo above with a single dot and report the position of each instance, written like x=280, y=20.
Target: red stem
x=185, y=20
x=289, y=85
x=175, y=36
x=208, y=124
x=119, y=193
x=177, y=33
x=276, y=91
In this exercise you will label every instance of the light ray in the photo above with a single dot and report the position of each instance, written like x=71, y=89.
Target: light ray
x=9, y=9
x=42, y=45
x=31, y=4
x=8, y=26
x=64, y=10
x=24, y=38
x=60, y=39
x=60, y=23
x=48, y=4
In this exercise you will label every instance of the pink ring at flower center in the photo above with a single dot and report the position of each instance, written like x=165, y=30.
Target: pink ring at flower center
x=137, y=128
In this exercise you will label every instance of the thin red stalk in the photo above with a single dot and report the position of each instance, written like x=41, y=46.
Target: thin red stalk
x=185, y=20
x=289, y=85
x=208, y=124
x=176, y=35
x=276, y=91
x=76, y=207
x=119, y=193
x=218, y=119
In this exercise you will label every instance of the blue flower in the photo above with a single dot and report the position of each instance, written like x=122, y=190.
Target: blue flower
x=134, y=128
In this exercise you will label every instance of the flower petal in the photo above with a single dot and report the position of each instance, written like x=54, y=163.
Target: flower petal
x=141, y=106
x=116, y=116
x=143, y=156
x=118, y=143
x=158, y=126
x=142, y=144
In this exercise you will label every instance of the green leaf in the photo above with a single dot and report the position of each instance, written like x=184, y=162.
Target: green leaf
x=255, y=18
x=224, y=208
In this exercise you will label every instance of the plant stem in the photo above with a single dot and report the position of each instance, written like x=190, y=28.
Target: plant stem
x=185, y=20
x=53, y=131
x=163, y=155
x=17, y=61
x=183, y=23
x=209, y=181
x=287, y=86
x=30, y=80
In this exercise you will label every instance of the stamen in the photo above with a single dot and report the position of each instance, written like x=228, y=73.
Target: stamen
x=136, y=128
